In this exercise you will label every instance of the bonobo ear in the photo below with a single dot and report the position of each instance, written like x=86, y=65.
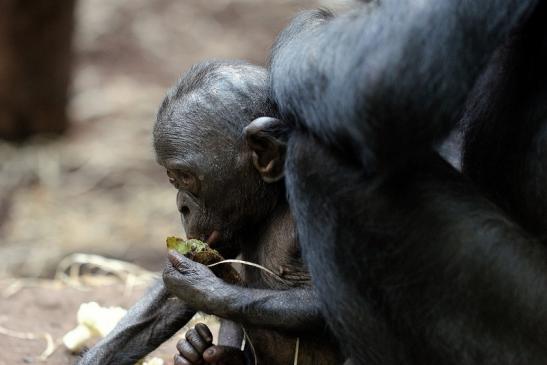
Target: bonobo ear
x=267, y=138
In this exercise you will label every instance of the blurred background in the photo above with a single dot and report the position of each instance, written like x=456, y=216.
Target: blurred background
x=80, y=82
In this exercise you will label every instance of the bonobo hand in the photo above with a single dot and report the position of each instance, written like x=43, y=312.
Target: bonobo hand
x=197, y=348
x=195, y=284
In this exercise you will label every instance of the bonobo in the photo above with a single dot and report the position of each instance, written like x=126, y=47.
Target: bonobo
x=413, y=263
x=230, y=194
x=505, y=125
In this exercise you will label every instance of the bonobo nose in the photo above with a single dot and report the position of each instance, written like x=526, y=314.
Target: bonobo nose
x=183, y=205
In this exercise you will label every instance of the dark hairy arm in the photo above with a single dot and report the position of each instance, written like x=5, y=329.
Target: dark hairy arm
x=292, y=309
x=150, y=322
x=295, y=309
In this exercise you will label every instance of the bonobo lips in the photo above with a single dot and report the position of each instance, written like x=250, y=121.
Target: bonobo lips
x=213, y=238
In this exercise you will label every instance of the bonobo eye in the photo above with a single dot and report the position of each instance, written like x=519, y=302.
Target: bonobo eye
x=183, y=181
x=172, y=179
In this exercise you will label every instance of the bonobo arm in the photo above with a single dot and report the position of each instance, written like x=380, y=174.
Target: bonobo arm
x=387, y=77
x=294, y=309
x=154, y=319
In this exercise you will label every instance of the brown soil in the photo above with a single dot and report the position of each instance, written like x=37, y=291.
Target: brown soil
x=51, y=307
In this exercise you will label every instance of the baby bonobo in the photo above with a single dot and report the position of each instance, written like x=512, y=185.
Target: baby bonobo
x=231, y=194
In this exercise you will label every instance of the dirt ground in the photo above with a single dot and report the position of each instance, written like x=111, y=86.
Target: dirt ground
x=97, y=189
x=48, y=307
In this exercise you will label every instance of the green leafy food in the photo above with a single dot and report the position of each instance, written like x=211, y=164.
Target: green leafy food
x=199, y=251
x=184, y=247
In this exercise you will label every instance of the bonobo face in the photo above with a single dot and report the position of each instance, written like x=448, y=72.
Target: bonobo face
x=220, y=195
x=225, y=185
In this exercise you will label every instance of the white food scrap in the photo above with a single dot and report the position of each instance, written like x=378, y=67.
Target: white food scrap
x=93, y=321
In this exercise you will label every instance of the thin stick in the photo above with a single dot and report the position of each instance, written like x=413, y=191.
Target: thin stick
x=243, y=343
x=50, y=344
x=248, y=263
x=50, y=348
x=250, y=344
x=20, y=335
x=120, y=269
x=297, y=347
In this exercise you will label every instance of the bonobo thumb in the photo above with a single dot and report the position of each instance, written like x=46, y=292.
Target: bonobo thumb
x=225, y=355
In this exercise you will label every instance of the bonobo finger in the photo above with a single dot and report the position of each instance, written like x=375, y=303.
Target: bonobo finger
x=195, y=339
x=204, y=332
x=188, y=351
x=225, y=355
x=180, y=262
x=179, y=360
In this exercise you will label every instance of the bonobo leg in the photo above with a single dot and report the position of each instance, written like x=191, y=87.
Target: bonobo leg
x=150, y=322
x=230, y=333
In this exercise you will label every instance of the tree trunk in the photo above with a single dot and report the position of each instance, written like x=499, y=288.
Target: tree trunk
x=35, y=65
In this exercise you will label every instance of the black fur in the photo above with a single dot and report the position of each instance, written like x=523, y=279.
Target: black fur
x=505, y=127
x=412, y=262
x=387, y=78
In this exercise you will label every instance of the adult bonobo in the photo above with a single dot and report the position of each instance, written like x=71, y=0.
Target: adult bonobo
x=227, y=196
x=412, y=263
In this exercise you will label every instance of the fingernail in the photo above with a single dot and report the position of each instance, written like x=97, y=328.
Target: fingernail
x=210, y=352
x=173, y=258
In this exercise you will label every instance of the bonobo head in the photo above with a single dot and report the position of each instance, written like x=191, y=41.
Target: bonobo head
x=226, y=186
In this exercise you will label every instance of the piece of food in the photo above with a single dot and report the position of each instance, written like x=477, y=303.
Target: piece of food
x=151, y=361
x=199, y=251
x=93, y=321
x=195, y=250
x=76, y=339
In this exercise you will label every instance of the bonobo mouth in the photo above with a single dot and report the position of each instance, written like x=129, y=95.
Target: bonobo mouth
x=212, y=240
x=222, y=242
